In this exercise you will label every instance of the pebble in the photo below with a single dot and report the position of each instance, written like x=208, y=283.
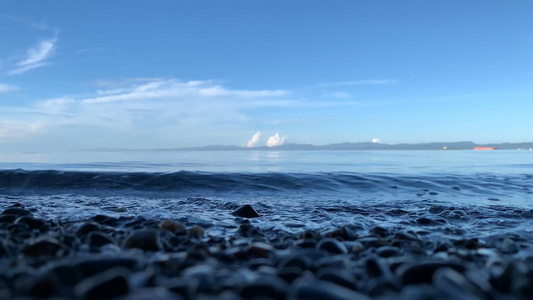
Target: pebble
x=99, y=239
x=312, y=289
x=20, y=212
x=32, y=223
x=42, y=246
x=161, y=259
x=145, y=239
x=107, y=285
x=171, y=226
x=423, y=272
x=332, y=246
x=245, y=211
x=264, y=286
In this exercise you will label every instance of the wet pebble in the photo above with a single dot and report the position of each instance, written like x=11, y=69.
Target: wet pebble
x=107, y=285
x=145, y=239
x=332, y=246
x=245, y=211
x=319, y=289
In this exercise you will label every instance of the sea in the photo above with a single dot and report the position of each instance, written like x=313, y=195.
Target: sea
x=437, y=194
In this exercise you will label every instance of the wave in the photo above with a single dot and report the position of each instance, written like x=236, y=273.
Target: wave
x=185, y=181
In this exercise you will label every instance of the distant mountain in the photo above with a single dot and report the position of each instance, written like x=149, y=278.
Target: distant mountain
x=361, y=146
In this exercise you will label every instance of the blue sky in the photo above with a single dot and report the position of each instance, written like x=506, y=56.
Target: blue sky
x=162, y=74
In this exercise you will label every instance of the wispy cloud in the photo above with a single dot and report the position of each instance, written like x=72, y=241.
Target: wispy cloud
x=36, y=56
x=7, y=88
x=359, y=82
x=171, y=88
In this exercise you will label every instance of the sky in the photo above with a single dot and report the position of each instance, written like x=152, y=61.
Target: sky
x=167, y=74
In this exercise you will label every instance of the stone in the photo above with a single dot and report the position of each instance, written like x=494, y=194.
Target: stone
x=260, y=249
x=332, y=246
x=42, y=246
x=42, y=287
x=337, y=276
x=31, y=222
x=109, y=284
x=145, y=239
x=184, y=287
x=245, y=211
x=388, y=251
x=99, y=239
x=8, y=218
x=171, y=226
x=455, y=286
x=153, y=293
x=97, y=265
x=423, y=272
x=17, y=212
x=87, y=228
x=264, y=286
x=196, y=231
x=312, y=289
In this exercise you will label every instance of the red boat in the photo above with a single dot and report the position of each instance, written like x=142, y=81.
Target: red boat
x=485, y=148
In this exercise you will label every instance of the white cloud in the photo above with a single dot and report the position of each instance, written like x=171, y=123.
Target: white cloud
x=147, y=109
x=7, y=88
x=376, y=140
x=253, y=141
x=171, y=88
x=36, y=57
x=275, y=140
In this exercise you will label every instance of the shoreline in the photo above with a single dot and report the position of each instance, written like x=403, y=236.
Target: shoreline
x=139, y=258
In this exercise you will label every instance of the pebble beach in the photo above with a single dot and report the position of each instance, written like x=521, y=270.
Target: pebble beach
x=108, y=257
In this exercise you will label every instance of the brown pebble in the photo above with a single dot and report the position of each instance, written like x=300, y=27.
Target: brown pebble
x=171, y=226
x=196, y=231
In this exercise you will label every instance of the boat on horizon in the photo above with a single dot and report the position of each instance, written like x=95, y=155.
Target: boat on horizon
x=485, y=148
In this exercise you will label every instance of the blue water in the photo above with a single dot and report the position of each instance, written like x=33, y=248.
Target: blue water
x=467, y=193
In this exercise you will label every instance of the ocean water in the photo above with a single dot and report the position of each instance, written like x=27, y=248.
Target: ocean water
x=486, y=194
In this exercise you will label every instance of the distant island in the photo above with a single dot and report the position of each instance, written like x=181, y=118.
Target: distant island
x=361, y=146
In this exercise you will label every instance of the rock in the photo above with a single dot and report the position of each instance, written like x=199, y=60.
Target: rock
x=109, y=284
x=204, y=275
x=185, y=287
x=260, y=249
x=145, y=239
x=455, y=286
x=98, y=239
x=153, y=293
x=423, y=272
x=42, y=246
x=171, y=226
x=388, y=251
x=20, y=212
x=7, y=218
x=264, y=286
x=87, y=228
x=196, y=231
x=245, y=211
x=337, y=276
x=97, y=265
x=509, y=246
x=311, y=289
x=290, y=273
x=332, y=246
x=31, y=222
